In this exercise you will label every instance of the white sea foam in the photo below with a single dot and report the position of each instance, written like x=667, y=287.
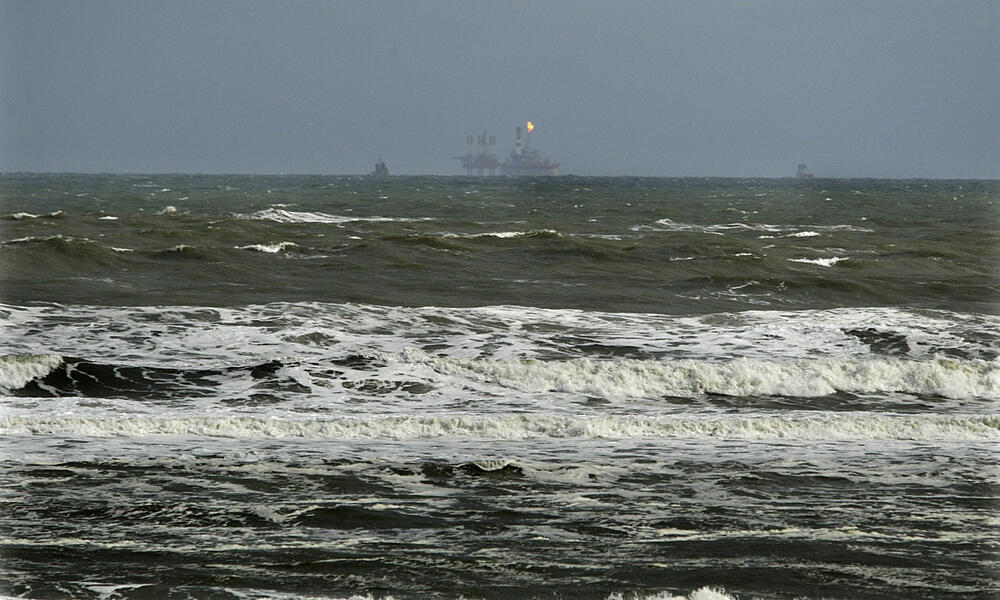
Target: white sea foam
x=493, y=464
x=271, y=595
x=27, y=239
x=798, y=426
x=739, y=377
x=704, y=593
x=503, y=234
x=215, y=336
x=724, y=228
x=26, y=215
x=671, y=225
x=823, y=262
x=16, y=370
x=268, y=248
x=48, y=238
x=289, y=216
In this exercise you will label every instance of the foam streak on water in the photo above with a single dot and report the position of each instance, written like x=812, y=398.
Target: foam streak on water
x=442, y=388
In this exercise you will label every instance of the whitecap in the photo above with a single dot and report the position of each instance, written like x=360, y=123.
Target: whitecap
x=505, y=234
x=268, y=248
x=704, y=593
x=291, y=216
x=633, y=378
x=16, y=370
x=823, y=262
x=794, y=426
x=27, y=215
x=235, y=335
x=765, y=228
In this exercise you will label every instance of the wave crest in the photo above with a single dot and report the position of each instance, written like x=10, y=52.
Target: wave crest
x=854, y=426
x=291, y=216
x=16, y=370
x=268, y=248
x=704, y=593
x=740, y=377
x=25, y=215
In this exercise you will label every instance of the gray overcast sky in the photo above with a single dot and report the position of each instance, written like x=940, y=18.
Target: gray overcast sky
x=874, y=89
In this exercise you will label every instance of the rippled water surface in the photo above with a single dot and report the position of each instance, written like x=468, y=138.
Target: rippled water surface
x=443, y=388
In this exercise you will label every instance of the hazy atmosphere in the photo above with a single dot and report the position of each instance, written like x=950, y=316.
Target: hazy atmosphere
x=855, y=89
x=241, y=361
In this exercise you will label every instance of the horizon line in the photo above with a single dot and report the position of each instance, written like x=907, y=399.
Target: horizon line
x=498, y=177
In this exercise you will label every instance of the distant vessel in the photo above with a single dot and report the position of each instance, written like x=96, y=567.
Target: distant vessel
x=804, y=172
x=381, y=170
x=524, y=160
x=483, y=162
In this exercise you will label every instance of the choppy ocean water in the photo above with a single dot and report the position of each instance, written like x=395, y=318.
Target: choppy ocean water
x=443, y=388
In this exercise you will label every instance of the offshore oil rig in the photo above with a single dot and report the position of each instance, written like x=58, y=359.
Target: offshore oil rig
x=522, y=160
x=485, y=160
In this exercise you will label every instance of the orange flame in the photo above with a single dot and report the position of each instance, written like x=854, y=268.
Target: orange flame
x=530, y=126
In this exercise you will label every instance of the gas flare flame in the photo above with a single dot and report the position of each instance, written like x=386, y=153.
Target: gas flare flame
x=530, y=126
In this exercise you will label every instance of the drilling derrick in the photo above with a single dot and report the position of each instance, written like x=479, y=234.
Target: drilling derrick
x=481, y=162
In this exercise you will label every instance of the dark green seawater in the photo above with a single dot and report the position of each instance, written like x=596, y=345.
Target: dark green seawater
x=636, y=245
x=442, y=387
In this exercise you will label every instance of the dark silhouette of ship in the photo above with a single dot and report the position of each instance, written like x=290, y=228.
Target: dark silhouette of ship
x=381, y=170
x=803, y=172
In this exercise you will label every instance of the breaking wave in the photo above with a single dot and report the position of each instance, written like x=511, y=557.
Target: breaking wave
x=740, y=377
x=823, y=262
x=51, y=375
x=268, y=248
x=17, y=370
x=506, y=234
x=25, y=215
x=723, y=228
x=854, y=426
x=58, y=241
x=704, y=593
x=290, y=216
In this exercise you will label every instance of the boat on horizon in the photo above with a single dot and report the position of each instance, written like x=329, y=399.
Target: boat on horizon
x=381, y=170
